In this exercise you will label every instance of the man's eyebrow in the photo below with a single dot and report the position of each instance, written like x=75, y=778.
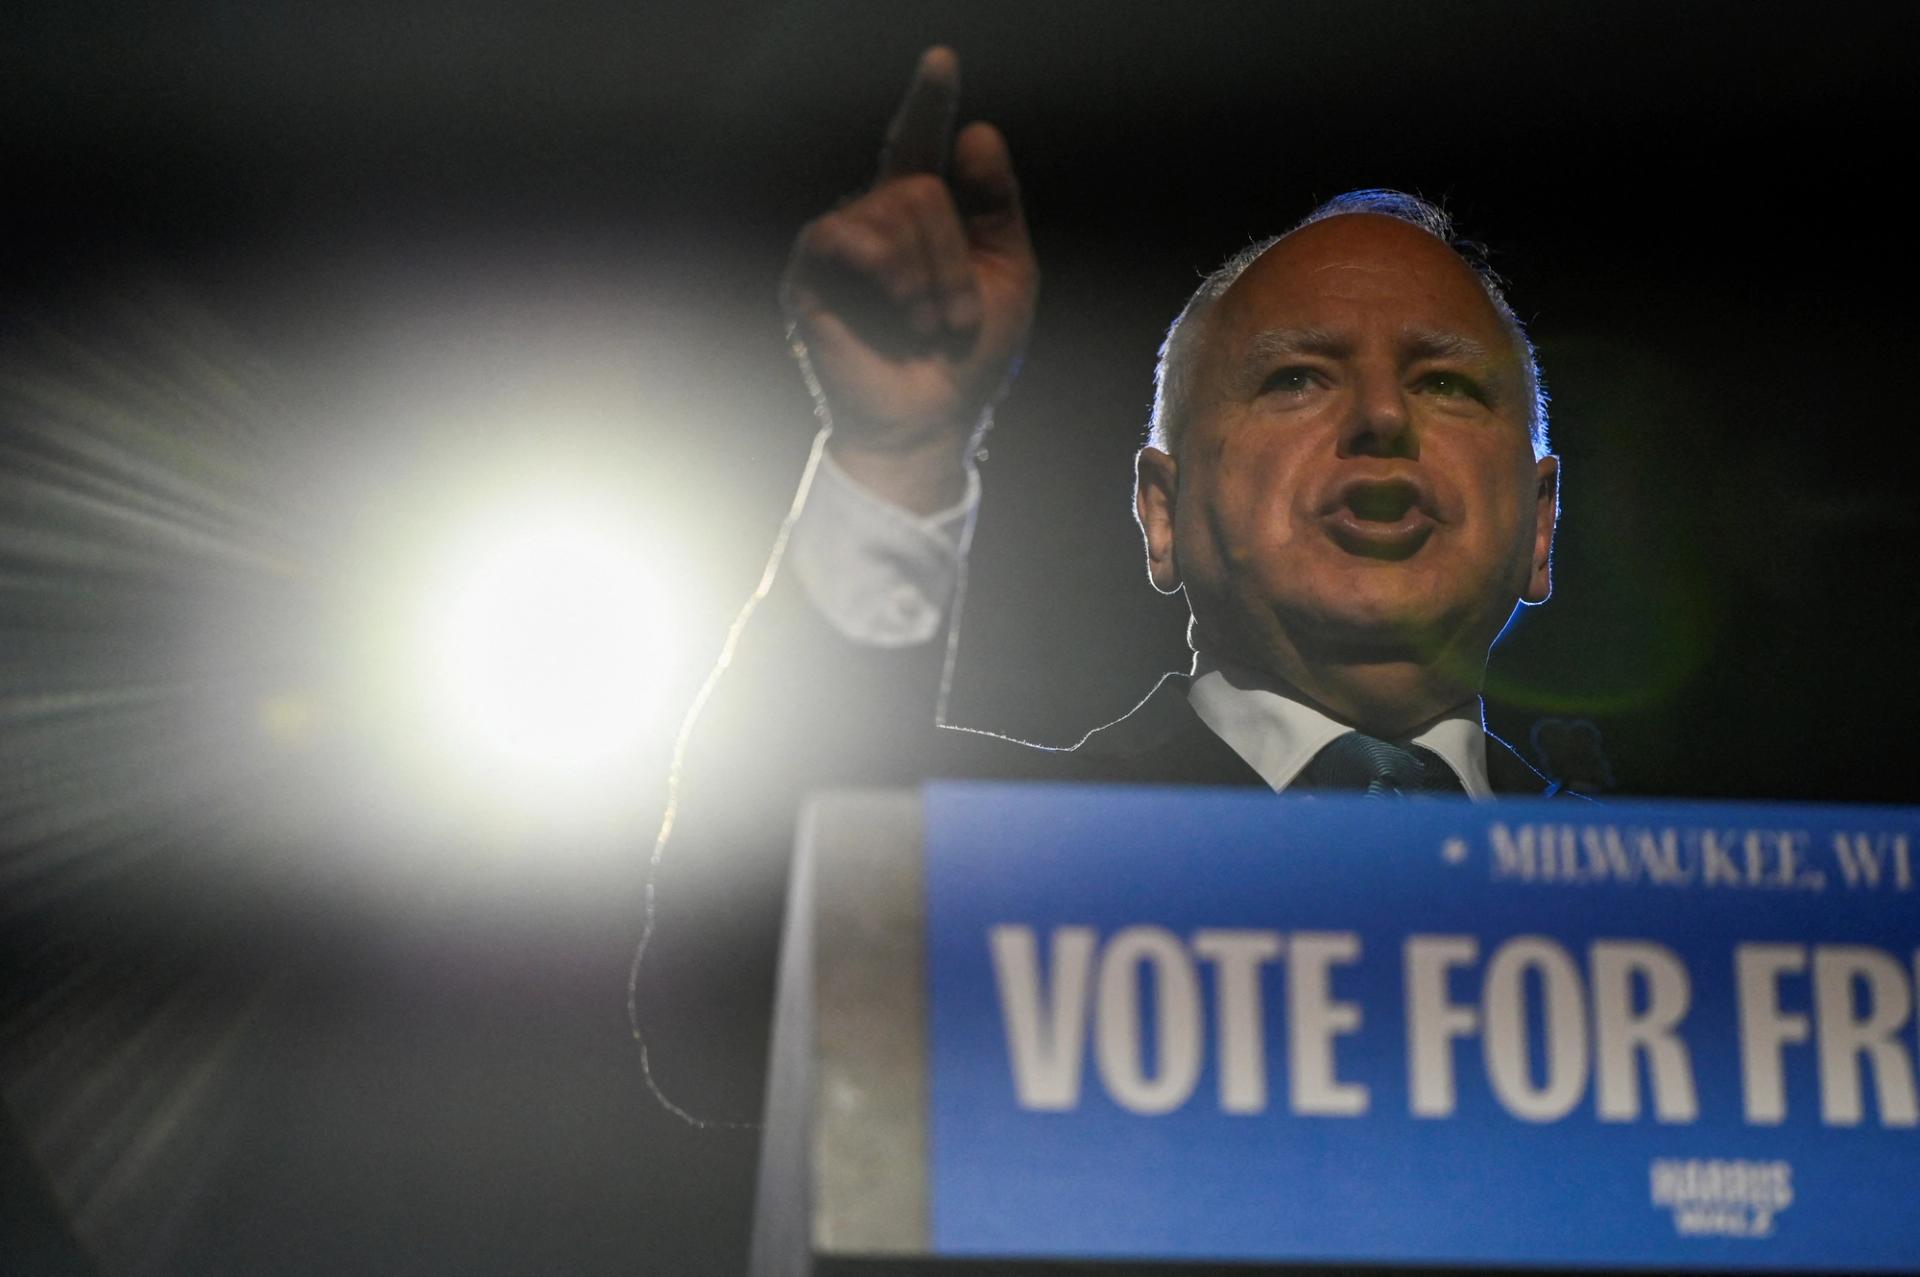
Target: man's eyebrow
x=1275, y=343
x=1430, y=343
x=1421, y=343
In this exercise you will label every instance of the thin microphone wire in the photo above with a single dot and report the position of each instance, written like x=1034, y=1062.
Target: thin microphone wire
x=769, y=573
x=649, y=908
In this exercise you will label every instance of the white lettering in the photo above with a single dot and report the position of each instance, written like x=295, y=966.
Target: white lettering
x=1660, y=853
x=1237, y=956
x=1513, y=854
x=1619, y=1033
x=1313, y=1021
x=1863, y=859
x=1118, y=1046
x=1607, y=853
x=1849, y=1040
x=1716, y=857
x=1503, y=998
x=1046, y=1031
x=1764, y=1027
x=1790, y=843
x=1434, y=1020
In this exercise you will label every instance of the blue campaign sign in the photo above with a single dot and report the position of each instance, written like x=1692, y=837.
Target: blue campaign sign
x=1220, y=1025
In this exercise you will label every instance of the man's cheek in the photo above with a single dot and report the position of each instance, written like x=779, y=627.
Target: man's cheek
x=1277, y=528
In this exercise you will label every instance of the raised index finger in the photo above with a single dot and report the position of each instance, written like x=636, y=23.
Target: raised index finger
x=920, y=134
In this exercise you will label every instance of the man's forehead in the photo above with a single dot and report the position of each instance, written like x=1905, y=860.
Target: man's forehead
x=1364, y=263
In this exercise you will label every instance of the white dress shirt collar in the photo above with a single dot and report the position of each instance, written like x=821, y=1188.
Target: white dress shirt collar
x=1278, y=736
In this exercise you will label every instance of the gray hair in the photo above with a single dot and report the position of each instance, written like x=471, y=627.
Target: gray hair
x=1174, y=373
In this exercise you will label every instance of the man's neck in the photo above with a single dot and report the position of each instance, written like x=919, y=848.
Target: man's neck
x=1394, y=726
x=1389, y=698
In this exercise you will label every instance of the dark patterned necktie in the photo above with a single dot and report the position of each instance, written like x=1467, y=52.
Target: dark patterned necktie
x=1378, y=768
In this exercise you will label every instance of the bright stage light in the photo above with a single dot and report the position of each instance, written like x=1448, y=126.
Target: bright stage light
x=543, y=647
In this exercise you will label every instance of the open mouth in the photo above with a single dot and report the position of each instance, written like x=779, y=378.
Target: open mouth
x=1382, y=519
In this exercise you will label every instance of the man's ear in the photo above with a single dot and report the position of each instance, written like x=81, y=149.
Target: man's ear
x=1546, y=513
x=1154, y=487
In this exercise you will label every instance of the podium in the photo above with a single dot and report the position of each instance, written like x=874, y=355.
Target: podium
x=843, y=1158
x=1051, y=1029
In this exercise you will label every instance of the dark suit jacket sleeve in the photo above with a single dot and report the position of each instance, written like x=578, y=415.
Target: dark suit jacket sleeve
x=798, y=708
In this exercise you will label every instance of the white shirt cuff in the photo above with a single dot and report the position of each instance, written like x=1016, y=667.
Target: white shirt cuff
x=881, y=575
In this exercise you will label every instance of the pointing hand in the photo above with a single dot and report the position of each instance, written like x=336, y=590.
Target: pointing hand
x=910, y=304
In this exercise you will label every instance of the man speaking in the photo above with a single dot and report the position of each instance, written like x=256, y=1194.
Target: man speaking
x=1347, y=477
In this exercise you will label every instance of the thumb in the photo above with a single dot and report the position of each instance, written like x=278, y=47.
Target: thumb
x=986, y=191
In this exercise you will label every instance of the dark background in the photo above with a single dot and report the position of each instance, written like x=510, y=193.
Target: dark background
x=272, y=273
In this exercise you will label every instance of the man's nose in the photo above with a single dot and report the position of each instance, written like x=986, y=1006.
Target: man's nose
x=1378, y=421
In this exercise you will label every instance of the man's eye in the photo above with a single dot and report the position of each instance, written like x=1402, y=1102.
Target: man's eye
x=1289, y=381
x=1451, y=385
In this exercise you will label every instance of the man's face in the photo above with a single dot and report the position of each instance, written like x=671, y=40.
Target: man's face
x=1356, y=481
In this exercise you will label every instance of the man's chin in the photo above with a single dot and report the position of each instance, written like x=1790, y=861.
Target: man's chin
x=1371, y=623
x=1381, y=614
x=1361, y=645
